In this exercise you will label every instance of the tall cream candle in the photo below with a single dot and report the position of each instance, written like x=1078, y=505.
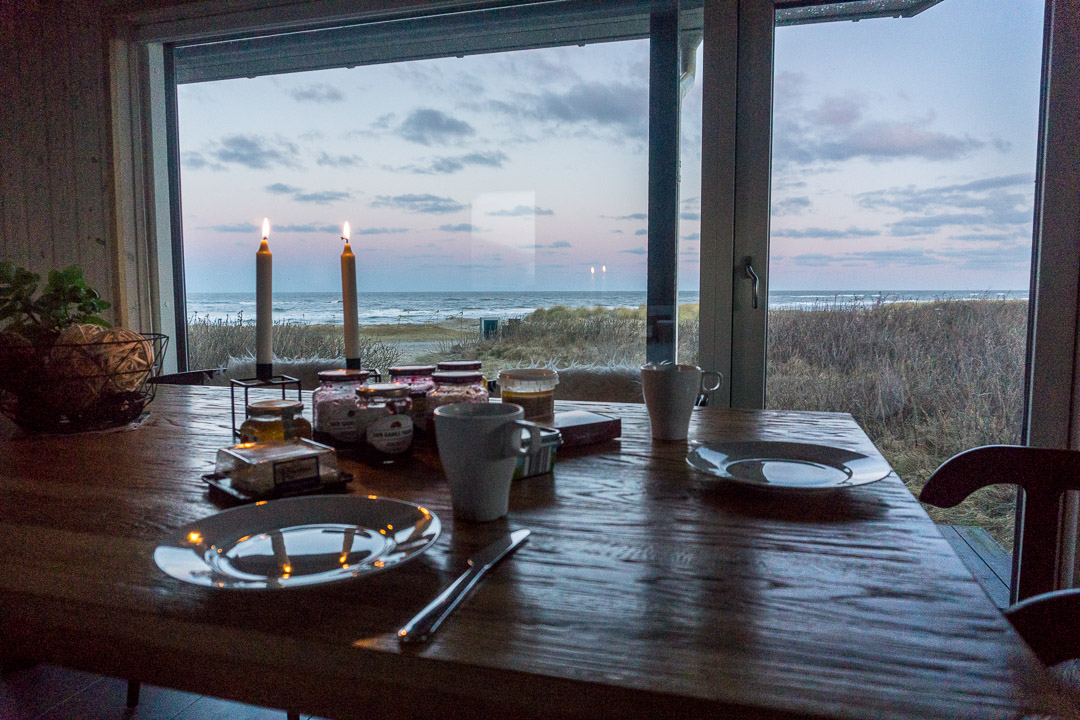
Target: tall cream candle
x=264, y=306
x=348, y=301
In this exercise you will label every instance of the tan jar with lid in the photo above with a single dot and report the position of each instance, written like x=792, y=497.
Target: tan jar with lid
x=275, y=421
x=531, y=388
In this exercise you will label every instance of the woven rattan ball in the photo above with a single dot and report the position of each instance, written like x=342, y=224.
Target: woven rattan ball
x=127, y=359
x=75, y=376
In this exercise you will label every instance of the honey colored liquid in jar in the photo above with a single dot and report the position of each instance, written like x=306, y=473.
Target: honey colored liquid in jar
x=537, y=405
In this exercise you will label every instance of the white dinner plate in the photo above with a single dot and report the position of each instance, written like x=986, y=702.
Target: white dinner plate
x=787, y=465
x=296, y=542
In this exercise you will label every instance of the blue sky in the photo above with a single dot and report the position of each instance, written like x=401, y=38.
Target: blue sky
x=903, y=159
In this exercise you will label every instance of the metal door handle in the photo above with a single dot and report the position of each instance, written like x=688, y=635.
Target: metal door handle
x=754, y=278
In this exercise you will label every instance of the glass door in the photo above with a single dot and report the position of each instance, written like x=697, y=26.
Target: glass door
x=900, y=231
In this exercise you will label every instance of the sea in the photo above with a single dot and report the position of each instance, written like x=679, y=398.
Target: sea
x=432, y=307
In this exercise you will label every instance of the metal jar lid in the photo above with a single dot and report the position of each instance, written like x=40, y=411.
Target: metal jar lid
x=459, y=365
x=387, y=390
x=457, y=377
x=271, y=408
x=399, y=370
x=337, y=376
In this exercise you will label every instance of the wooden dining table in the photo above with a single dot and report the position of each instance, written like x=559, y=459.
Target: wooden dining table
x=647, y=589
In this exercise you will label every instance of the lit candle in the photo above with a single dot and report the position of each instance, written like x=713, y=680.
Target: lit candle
x=603, y=278
x=592, y=279
x=264, y=307
x=348, y=300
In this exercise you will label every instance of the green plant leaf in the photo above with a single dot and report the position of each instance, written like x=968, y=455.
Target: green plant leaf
x=65, y=300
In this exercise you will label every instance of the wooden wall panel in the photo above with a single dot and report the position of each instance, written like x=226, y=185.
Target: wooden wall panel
x=55, y=141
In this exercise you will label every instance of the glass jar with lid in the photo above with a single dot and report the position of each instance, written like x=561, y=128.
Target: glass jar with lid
x=418, y=378
x=274, y=421
x=531, y=388
x=453, y=387
x=383, y=416
x=334, y=407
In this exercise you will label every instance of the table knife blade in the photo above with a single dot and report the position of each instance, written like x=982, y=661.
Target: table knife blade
x=428, y=620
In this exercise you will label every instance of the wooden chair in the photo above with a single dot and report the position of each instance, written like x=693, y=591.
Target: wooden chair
x=1050, y=624
x=1044, y=474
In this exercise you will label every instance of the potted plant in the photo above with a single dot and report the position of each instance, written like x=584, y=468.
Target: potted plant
x=62, y=368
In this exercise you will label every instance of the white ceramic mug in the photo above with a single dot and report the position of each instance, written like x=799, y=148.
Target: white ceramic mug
x=479, y=444
x=670, y=394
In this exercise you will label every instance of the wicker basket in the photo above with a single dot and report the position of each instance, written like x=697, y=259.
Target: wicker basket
x=74, y=387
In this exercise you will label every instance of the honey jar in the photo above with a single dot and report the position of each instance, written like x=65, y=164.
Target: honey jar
x=275, y=421
x=531, y=388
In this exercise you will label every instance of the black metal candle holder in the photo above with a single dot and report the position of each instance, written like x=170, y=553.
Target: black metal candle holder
x=248, y=384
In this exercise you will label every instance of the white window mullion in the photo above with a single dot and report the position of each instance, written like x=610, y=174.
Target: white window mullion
x=720, y=57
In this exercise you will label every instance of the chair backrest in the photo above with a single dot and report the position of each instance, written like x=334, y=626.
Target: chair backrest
x=1050, y=624
x=1044, y=474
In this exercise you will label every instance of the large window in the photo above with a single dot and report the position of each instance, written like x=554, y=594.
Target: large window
x=480, y=188
x=903, y=171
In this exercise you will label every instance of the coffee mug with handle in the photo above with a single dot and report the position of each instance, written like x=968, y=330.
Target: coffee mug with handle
x=479, y=444
x=671, y=391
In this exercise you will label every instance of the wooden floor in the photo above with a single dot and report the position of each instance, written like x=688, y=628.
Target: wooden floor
x=990, y=563
x=44, y=692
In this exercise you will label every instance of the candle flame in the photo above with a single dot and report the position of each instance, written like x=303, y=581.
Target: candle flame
x=593, y=270
x=266, y=228
x=603, y=268
x=345, y=232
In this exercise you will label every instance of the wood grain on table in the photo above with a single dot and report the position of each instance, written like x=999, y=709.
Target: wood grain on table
x=646, y=589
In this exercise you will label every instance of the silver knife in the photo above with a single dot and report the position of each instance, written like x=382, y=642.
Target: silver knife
x=428, y=620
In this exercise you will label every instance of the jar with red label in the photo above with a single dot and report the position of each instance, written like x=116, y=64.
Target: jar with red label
x=418, y=378
x=335, y=408
x=383, y=415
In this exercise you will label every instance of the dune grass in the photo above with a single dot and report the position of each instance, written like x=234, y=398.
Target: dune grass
x=212, y=342
x=925, y=380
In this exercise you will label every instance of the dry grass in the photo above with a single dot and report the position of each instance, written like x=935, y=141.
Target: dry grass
x=212, y=342
x=561, y=336
x=925, y=380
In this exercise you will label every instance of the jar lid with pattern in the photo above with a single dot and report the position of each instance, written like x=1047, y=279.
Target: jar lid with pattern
x=458, y=365
x=408, y=370
x=388, y=390
x=457, y=377
x=343, y=376
x=275, y=407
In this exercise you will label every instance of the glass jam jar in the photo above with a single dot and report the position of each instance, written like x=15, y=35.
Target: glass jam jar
x=459, y=366
x=334, y=408
x=418, y=378
x=453, y=387
x=387, y=427
x=274, y=421
x=531, y=388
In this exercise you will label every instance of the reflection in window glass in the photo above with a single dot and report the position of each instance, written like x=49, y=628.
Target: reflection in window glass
x=488, y=186
x=690, y=208
x=902, y=205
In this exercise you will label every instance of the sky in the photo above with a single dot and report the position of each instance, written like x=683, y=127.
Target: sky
x=903, y=158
